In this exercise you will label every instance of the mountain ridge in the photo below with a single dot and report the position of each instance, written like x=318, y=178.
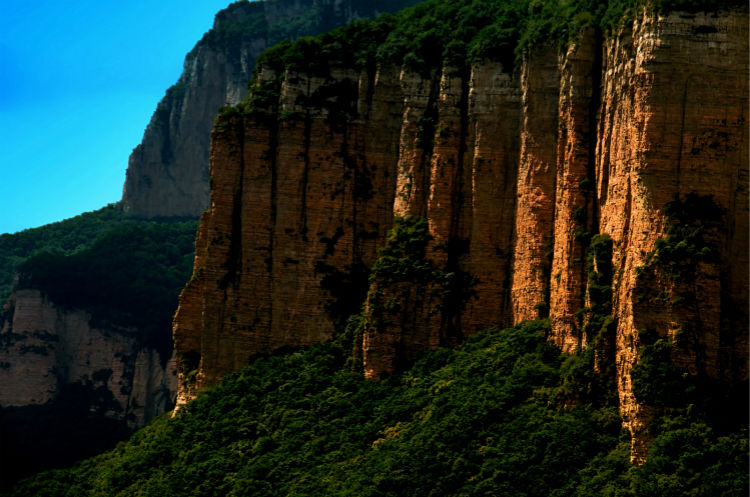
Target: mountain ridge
x=167, y=172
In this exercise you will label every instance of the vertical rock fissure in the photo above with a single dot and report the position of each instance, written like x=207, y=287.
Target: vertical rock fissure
x=305, y=173
x=451, y=325
x=431, y=112
x=546, y=268
x=273, y=156
x=682, y=134
x=595, y=113
x=370, y=95
x=592, y=206
x=457, y=197
x=601, y=186
x=350, y=163
x=234, y=256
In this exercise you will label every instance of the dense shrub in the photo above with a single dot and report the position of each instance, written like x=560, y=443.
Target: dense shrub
x=482, y=419
x=130, y=276
x=63, y=237
x=244, y=22
x=460, y=32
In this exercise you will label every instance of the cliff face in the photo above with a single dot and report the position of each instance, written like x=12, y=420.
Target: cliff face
x=674, y=123
x=71, y=388
x=44, y=350
x=294, y=215
x=167, y=172
x=519, y=174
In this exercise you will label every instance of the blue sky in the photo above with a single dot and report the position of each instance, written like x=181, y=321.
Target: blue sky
x=79, y=81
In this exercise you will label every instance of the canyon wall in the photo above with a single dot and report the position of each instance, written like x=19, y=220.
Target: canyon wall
x=44, y=349
x=673, y=124
x=536, y=182
x=71, y=387
x=167, y=172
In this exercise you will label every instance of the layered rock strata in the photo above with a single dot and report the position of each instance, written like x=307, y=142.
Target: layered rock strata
x=44, y=349
x=574, y=176
x=674, y=122
x=514, y=170
x=535, y=194
x=167, y=172
x=298, y=210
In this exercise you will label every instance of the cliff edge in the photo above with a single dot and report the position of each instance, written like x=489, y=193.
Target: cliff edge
x=167, y=173
x=603, y=185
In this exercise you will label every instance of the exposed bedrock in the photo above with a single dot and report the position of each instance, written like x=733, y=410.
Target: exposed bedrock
x=45, y=349
x=545, y=189
x=167, y=172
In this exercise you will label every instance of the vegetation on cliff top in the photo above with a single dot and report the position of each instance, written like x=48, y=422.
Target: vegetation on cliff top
x=131, y=275
x=486, y=418
x=243, y=26
x=459, y=32
x=63, y=237
x=244, y=21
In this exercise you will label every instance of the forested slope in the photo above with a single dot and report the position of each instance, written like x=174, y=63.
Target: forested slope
x=494, y=417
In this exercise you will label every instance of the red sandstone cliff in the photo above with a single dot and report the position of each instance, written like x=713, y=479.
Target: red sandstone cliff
x=673, y=122
x=514, y=172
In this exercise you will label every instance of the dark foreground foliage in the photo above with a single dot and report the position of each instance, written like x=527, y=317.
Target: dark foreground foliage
x=483, y=419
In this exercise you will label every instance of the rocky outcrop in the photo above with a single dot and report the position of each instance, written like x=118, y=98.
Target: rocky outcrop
x=574, y=203
x=297, y=207
x=44, y=349
x=71, y=387
x=539, y=185
x=536, y=186
x=673, y=123
x=167, y=172
x=494, y=124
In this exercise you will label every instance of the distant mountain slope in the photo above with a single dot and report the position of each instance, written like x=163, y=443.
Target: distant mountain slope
x=63, y=237
x=168, y=172
x=85, y=337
